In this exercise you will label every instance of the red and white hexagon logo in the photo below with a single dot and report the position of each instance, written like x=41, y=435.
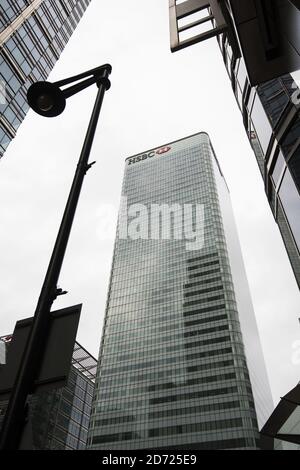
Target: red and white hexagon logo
x=163, y=150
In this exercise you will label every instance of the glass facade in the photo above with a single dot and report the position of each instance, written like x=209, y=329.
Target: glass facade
x=270, y=110
x=180, y=363
x=60, y=418
x=33, y=33
x=271, y=118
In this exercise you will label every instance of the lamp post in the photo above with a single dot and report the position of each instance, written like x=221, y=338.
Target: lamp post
x=48, y=100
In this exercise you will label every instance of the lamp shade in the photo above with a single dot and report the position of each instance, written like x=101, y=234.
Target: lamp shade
x=46, y=99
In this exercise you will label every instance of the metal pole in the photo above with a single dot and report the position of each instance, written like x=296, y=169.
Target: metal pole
x=33, y=355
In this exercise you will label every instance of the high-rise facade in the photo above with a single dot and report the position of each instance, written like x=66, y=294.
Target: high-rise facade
x=270, y=109
x=33, y=33
x=180, y=363
x=59, y=417
x=272, y=122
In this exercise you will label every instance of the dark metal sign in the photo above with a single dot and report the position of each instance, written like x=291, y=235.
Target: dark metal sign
x=55, y=367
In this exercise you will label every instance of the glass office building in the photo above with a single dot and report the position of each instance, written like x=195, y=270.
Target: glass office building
x=60, y=417
x=272, y=122
x=180, y=362
x=270, y=110
x=33, y=33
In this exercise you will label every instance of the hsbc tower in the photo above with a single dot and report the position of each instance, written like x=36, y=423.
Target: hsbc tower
x=180, y=362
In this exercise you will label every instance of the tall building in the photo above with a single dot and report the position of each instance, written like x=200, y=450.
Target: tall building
x=180, y=362
x=59, y=418
x=271, y=119
x=258, y=42
x=33, y=33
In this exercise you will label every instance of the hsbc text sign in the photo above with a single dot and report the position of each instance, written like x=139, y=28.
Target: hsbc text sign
x=151, y=154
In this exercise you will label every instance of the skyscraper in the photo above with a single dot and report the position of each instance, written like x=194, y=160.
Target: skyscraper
x=271, y=119
x=33, y=33
x=251, y=44
x=180, y=362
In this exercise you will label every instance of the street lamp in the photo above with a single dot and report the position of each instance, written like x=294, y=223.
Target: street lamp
x=49, y=100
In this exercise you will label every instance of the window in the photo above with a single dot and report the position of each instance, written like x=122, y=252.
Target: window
x=290, y=138
x=261, y=123
x=275, y=106
x=290, y=199
x=242, y=74
x=278, y=168
x=294, y=165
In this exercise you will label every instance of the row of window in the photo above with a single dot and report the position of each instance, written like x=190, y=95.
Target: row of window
x=166, y=361
x=158, y=171
x=165, y=386
x=163, y=350
x=149, y=291
x=141, y=402
x=156, y=375
x=146, y=327
x=205, y=408
x=164, y=272
x=149, y=318
x=139, y=332
x=122, y=287
x=137, y=269
x=170, y=413
x=188, y=193
x=215, y=308
x=159, y=295
x=196, y=427
x=204, y=273
x=160, y=179
x=203, y=291
x=194, y=395
x=143, y=347
x=203, y=265
x=180, y=187
x=128, y=312
x=138, y=311
x=202, y=281
x=171, y=430
x=203, y=257
x=183, y=202
x=205, y=300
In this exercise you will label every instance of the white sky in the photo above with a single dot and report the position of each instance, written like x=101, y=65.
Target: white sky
x=156, y=97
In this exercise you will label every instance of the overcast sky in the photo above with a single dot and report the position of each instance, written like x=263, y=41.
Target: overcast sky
x=156, y=97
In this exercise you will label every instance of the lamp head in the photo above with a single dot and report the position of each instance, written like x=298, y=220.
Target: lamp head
x=46, y=99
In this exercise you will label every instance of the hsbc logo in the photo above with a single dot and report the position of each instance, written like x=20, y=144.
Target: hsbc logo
x=151, y=154
x=163, y=150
